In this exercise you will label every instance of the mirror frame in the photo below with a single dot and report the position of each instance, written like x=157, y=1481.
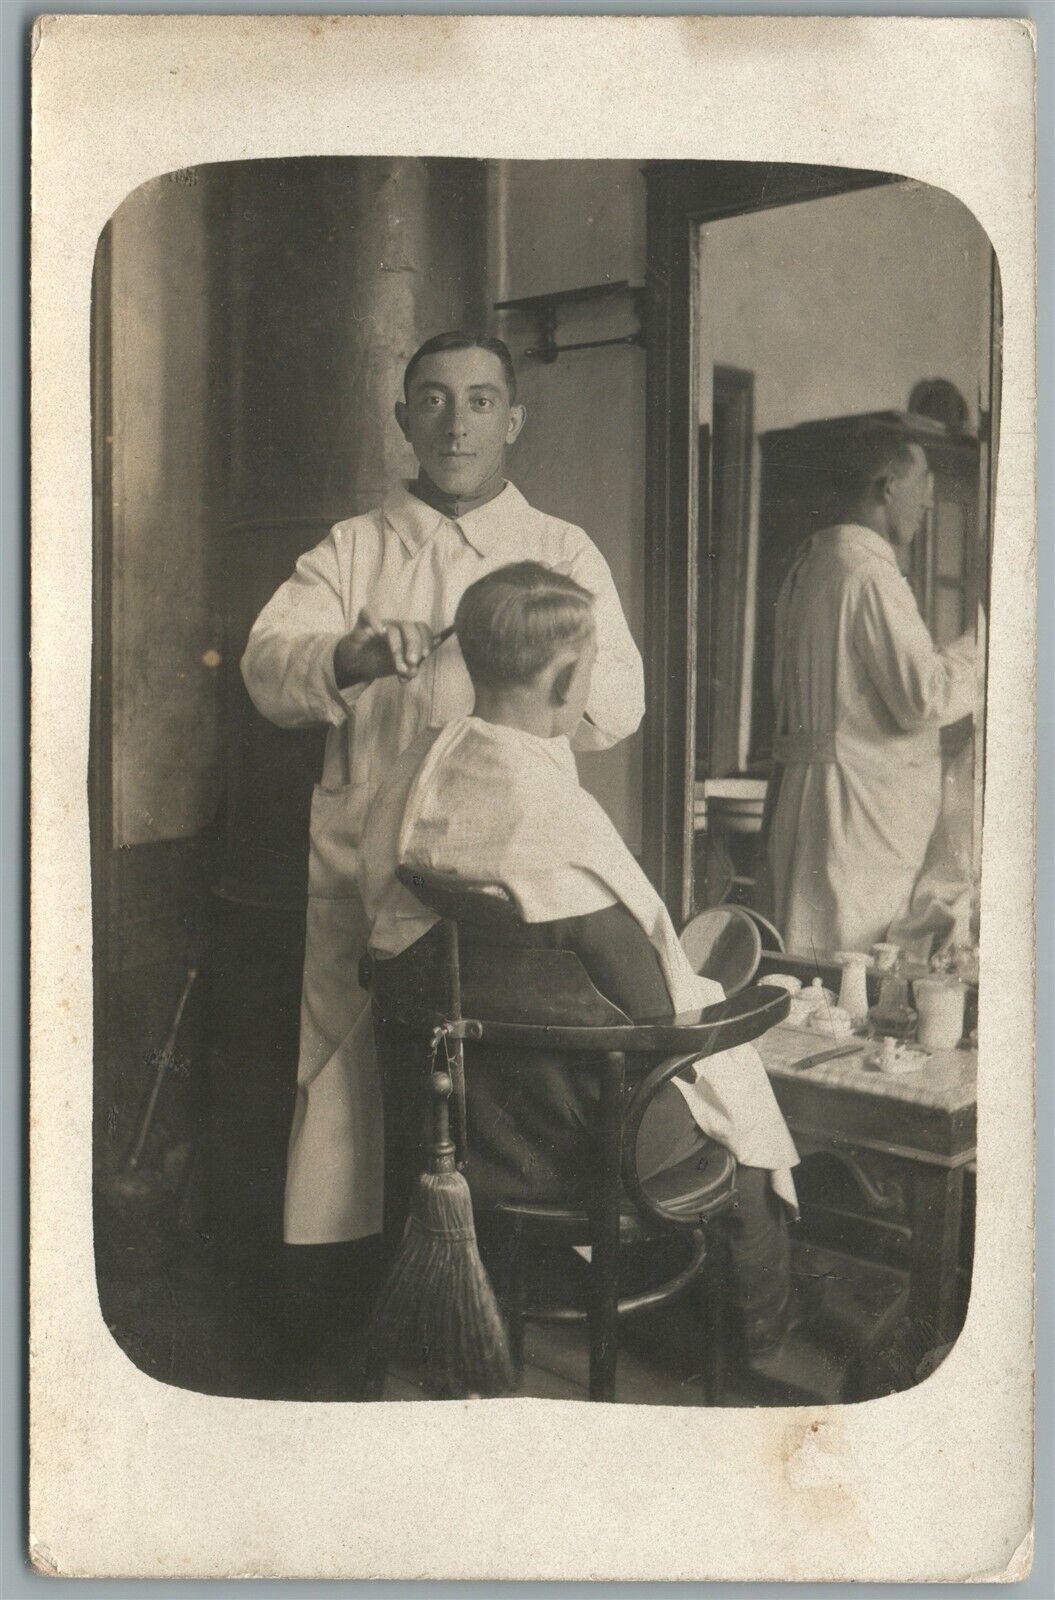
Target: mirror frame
x=680, y=195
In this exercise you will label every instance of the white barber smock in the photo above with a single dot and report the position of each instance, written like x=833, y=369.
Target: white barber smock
x=861, y=693
x=408, y=561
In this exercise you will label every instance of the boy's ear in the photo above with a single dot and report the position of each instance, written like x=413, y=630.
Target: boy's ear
x=402, y=417
x=560, y=689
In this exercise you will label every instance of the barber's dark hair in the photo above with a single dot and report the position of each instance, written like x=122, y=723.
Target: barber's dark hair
x=457, y=340
x=879, y=450
x=511, y=623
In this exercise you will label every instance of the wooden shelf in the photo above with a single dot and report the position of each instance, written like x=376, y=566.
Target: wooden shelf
x=559, y=297
x=544, y=308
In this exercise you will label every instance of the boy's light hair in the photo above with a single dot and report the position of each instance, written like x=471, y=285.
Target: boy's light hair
x=512, y=623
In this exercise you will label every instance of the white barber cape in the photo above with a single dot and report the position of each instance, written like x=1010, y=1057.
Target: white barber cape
x=861, y=693
x=410, y=562
x=491, y=804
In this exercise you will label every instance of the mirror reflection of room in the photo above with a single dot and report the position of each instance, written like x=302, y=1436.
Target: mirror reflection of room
x=844, y=453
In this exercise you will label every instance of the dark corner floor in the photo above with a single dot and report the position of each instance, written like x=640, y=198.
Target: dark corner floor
x=270, y=1324
x=255, y=1319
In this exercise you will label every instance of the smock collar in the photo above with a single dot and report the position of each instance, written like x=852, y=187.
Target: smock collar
x=555, y=747
x=864, y=538
x=416, y=523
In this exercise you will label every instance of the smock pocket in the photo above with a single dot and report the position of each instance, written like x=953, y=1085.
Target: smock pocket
x=337, y=817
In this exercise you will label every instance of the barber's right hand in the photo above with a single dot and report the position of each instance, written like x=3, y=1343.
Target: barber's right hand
x=379, y=648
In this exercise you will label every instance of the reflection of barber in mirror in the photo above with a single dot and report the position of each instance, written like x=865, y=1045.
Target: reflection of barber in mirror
x=861, y=694
x=352, y=640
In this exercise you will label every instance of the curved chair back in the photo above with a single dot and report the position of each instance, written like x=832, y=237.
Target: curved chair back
x=461, y=899
x=498, y=975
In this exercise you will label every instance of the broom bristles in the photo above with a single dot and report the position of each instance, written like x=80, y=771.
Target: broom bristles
x=437, y=1308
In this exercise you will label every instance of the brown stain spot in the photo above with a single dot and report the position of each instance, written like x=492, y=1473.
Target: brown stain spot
x=816, y=1467
x=211, y=659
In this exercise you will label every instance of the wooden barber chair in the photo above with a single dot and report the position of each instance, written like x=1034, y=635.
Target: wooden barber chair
x=471, y=975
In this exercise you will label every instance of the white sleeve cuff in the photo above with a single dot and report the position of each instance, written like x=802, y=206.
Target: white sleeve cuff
x=335, y=703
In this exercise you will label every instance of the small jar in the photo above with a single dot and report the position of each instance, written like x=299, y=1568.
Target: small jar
x=892, y=1021
x=853, y=991
x=940, y=1003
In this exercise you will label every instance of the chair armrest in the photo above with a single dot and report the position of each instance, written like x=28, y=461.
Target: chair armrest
x=645, y=1092
x=737, y=1020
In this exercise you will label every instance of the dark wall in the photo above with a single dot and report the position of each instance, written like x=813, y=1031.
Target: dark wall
x=251, y=325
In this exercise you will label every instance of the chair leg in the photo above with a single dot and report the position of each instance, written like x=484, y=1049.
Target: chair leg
x=515, y=1311
x=604, y=1328
x=604, y=1267
x=514, y=1296
x=715, y=1284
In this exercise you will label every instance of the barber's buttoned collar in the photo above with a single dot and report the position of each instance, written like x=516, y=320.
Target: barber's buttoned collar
x=416, y=523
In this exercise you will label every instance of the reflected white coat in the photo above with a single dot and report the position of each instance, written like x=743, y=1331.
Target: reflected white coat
x=861, y=693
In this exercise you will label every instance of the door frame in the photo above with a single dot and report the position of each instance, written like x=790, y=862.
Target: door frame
x=727, y=545
x=680, y=195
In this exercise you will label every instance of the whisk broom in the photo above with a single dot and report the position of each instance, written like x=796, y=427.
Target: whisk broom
x=437, y=1309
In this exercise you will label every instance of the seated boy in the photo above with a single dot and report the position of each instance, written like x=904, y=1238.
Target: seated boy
x=495, y=798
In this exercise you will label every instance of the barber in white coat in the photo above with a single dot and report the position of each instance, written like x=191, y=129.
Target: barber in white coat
x=351, y=640
x=861, y=694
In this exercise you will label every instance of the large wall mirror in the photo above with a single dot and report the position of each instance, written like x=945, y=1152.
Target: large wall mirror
x=805, y=318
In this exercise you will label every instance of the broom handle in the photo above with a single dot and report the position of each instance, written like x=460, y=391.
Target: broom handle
x=442, y=1152
x=457, y=1052
x=164, y=1062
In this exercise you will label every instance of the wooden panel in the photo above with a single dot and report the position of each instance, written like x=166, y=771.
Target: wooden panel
x=845, y=1117
x=672, y=518
x=165, y=633
x=950, y=539
x=703, y=191
x=726, y=453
